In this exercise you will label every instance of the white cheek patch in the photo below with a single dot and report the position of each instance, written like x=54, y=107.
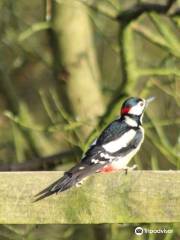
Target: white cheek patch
x=138, y=109
x=121, y=142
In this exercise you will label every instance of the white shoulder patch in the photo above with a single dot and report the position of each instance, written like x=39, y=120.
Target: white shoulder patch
x=120, y=142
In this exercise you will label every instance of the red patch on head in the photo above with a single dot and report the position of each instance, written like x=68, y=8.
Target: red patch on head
x=125, y=110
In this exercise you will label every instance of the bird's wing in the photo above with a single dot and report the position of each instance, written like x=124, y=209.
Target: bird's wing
x=113, y=131
x=130, y=146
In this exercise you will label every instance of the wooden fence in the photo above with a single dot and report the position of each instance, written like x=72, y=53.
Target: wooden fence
x=139, y=196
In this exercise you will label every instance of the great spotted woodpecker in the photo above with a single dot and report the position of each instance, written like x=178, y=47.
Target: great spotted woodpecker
x=112, y=151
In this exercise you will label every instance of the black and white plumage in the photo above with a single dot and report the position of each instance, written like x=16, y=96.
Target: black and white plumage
x=112, y=151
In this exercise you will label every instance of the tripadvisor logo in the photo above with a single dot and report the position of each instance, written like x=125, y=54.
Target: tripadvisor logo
x=138, y=231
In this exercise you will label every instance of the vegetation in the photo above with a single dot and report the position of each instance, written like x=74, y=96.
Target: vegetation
x=65, y=68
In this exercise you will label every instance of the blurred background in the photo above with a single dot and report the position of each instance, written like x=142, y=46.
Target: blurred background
x=66, y=66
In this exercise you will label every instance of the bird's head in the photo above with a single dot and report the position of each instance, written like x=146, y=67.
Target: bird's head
x=135, y=106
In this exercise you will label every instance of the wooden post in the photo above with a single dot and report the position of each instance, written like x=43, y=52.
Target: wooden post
x=139, y=196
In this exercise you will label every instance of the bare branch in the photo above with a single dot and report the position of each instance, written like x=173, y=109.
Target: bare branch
x=40, y=163
x=135, y=11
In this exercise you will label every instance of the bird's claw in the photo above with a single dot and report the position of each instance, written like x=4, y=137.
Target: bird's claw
x=130, y=168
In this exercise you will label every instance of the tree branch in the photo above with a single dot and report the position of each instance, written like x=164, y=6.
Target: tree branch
x=41, y=163
x=135, y=11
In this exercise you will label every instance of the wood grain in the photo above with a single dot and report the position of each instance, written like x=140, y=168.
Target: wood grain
x=139, y=196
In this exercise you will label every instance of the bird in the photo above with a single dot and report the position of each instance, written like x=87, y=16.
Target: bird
x=110, y=152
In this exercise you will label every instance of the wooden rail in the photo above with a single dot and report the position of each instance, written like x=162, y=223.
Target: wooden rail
x=139, y=196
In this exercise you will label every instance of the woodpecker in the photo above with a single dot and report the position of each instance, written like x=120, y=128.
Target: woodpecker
x=110, y=152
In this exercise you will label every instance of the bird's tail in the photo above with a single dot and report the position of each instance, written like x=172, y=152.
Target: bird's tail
x=70, y=178
x=60, y=185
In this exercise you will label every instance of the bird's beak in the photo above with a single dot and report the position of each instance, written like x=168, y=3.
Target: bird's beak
x=148, y=100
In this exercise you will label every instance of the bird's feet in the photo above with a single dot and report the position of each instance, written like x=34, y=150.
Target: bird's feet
x=130, y=168
x=79, y=184
x=111, y=169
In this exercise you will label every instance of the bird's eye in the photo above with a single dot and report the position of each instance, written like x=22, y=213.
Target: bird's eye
x=141, y=104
